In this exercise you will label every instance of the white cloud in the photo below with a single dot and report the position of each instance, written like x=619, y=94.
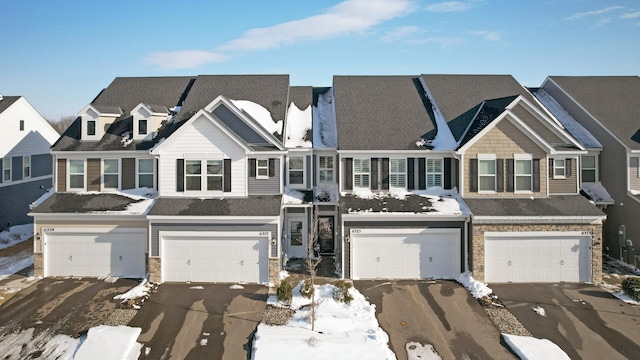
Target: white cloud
x=344, y=18
x=184, y=59
x=449, y=6
x=632, y=15
x=440, y=40
x=487, y=35
x=401, y=33
x=594, y=12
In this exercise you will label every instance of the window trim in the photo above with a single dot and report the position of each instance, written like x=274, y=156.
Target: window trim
x=522, y=157
x=220, y=175
x=563, y=167
x=6, y=161
x=204, y=176
x=303, y=170
x=595, y=167
x=327, y=170
x=399, y=173
x=102, y=173
x=488, y=157
x=152, y=173
x=26, y=166
x=434, y=173
x=264, y=167
x=84, y=175
x=95, y=127
x=146, y=127
x=366, y=173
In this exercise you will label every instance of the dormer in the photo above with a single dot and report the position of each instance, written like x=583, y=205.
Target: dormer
x=147, y=119
x=96, y=120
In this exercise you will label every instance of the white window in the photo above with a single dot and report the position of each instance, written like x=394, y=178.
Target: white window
x=559, y=169
x=589, y=168
x=434, y=172
x=215, y=175
x=296, y=170
x=91, y=127
x=146, y=173
x=361, y=173
x=193, y=175
x=262, y=169
x=142, y=127
x=110, y=173
x=487, y=174
x=76, y=174
x=397, y=173
x=26, y=166
x=523, y=173
x=325, y=169
x=6, y=169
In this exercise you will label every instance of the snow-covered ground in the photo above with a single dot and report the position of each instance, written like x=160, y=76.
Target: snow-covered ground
x=15, y=234
x=9, y=265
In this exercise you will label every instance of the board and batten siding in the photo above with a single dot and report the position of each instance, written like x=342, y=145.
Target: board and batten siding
x=206, y=141
x=157, y=227
x=267, y=186
x=128, y=176
x=634, y=173
x=568, y=185
x=93, y=174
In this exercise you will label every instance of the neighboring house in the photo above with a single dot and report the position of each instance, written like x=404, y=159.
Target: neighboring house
x=607, y=106
x=225, y=178
x=24, y=158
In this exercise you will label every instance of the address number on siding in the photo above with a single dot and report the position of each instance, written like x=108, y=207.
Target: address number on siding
x=356, y=231
x=263, y=233
x=48, y=229
x=587, y=233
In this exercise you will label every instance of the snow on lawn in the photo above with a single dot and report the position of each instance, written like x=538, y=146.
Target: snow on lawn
x=530, y=348
x=138, y=291
x=343, y=331
x=624, y=297
x=13, y=264
x=15, y=234
x=110, y=342
x=477, y=289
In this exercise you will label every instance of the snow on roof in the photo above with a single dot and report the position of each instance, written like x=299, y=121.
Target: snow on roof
x=570, y=124
x=298, y=125
x=325, y=134
x=260, y=114
x=292, y=197
x=444, y=139
x=439, y=201
x=597, y=193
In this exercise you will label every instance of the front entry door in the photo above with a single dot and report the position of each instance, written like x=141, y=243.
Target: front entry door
x=325, y=234
x=297, y=239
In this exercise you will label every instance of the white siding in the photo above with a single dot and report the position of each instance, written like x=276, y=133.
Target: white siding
x=37, y=136
x=206, y=139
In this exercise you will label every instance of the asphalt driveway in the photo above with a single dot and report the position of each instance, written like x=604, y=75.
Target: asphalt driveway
x=200, y=321
x=584, y=320
x=440, y=313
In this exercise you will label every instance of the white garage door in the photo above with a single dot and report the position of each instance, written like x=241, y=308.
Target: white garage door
x=96, y=252
x=405, y=253
x=537, y=257
x=211, y=257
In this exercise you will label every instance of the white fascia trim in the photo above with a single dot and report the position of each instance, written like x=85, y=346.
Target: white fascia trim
x=105, y=216
x=25, y=180
x=51, y=230
x=400, y=217
x=403, y=231
x=531, y=134
x=257, y=154
x=147, y=108
x=517, y=234
x=297, y=205
x=538, y=219
x=382, y=153
x=177, y=219
x=630, y=151
x=482, y=133
x=93, y=108
x=99, y=154
x=216, y=234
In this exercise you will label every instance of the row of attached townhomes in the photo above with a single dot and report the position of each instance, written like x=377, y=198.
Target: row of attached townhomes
x=25, y=139
x=225, y=178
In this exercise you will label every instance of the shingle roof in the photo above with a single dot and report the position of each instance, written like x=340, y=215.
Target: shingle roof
x=569, y=205
x=411, y=204
x=7, y=101
x=613, y=100
x=264, y=205
x=85, y=203
x=380, y=112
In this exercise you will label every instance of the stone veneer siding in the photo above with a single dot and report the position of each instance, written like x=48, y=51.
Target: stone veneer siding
x=477, y=243
x=38, y=264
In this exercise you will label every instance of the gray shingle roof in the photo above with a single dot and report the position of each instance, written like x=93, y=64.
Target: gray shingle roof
x=380, y=112
x=264, y=205
x=569, y=205
x=613, y=100
x=411, y=204
x=85, y=203
x=7, y=101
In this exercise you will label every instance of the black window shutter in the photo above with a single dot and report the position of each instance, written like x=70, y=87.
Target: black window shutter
x=473, y=167
x=536, y=175
x=252, y=168
x=551, y=168
x=348, y=173
x=567, y=167
x=314, y=168
x=447, y=173
x=510, y=175
x=374, y=174
x=385, y=173
x=227, y=175
x=411, y=185
x=272, y=167
x=499, y=174
x=422, y=176
x=180, y=175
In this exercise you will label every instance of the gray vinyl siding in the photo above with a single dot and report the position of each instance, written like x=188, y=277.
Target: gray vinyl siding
x=400, y=225
x=265, y=186
x=634, y=179
x=16, y=168
x=238, y=125
x=565, y=186
x=41, y=165
x=157, y=227
x=16, y=199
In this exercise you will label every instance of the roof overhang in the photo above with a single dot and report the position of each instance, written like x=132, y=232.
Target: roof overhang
x=538, y=219
x=403, y=216
x=90, y=216
x=177, y=219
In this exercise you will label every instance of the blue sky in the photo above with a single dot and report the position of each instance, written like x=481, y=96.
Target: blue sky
x=59, y=54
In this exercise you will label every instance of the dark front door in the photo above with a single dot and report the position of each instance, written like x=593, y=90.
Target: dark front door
x=325, y=234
